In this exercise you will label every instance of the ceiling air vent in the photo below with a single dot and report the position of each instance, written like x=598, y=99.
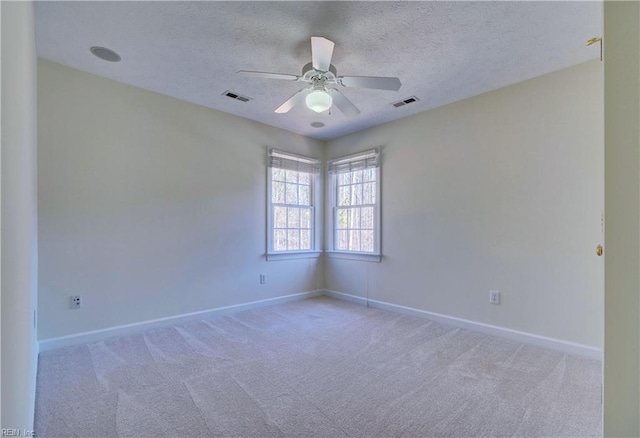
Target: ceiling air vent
x=406, y=101
x=236, y=96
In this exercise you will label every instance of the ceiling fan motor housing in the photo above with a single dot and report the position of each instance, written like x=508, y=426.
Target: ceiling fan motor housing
x=308, y=73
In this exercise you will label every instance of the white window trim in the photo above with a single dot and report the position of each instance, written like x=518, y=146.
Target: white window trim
x=291, y=255
x=352, y=255
x=315, y=179
x=376, y=255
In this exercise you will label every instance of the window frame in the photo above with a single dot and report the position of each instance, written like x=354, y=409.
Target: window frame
x=333, y=252
x=314, y=196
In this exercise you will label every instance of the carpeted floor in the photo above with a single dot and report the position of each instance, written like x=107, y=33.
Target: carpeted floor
x=318, y=367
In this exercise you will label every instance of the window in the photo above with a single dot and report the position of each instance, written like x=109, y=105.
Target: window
x=356, y=205
x=291, y=214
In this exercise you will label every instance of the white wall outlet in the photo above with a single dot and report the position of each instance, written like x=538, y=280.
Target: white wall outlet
x=494, y=297
x=75, y=302
x=263, y=278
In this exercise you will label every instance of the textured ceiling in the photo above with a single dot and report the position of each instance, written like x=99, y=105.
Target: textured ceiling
x=441, y=51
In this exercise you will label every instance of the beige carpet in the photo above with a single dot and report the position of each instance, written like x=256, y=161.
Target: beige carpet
x=318, y=367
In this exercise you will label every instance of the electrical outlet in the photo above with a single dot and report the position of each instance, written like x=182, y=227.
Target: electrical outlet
x=75, y=302
x=494, y=297
x=263, y=278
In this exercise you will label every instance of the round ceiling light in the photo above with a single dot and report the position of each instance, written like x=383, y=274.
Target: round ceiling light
x=318, y=101
x=105, y=54
x=317, y=124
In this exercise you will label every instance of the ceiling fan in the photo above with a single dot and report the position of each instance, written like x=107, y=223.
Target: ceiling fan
x=321, y=74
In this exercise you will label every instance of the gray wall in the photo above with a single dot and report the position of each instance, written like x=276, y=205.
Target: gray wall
x=502, y=191
x=151, y=207
x=19, y=215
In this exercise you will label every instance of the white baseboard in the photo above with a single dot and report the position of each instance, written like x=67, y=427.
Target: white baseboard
x=123, y=330
x=514, y=335
x=346, y=297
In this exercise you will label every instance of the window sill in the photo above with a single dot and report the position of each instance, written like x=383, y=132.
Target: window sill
x=362, y=256
x=274, y=256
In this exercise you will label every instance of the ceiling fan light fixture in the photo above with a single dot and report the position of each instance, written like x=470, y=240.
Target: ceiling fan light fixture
x=318, y=101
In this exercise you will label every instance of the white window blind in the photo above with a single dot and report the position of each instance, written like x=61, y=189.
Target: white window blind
x=287, y=161
x=360, y=161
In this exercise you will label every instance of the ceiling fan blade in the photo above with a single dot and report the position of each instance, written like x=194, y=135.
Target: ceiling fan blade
x=263, y=75
x=321, y=53
x=376, y=82
x=343, y=104
x=292, y=101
